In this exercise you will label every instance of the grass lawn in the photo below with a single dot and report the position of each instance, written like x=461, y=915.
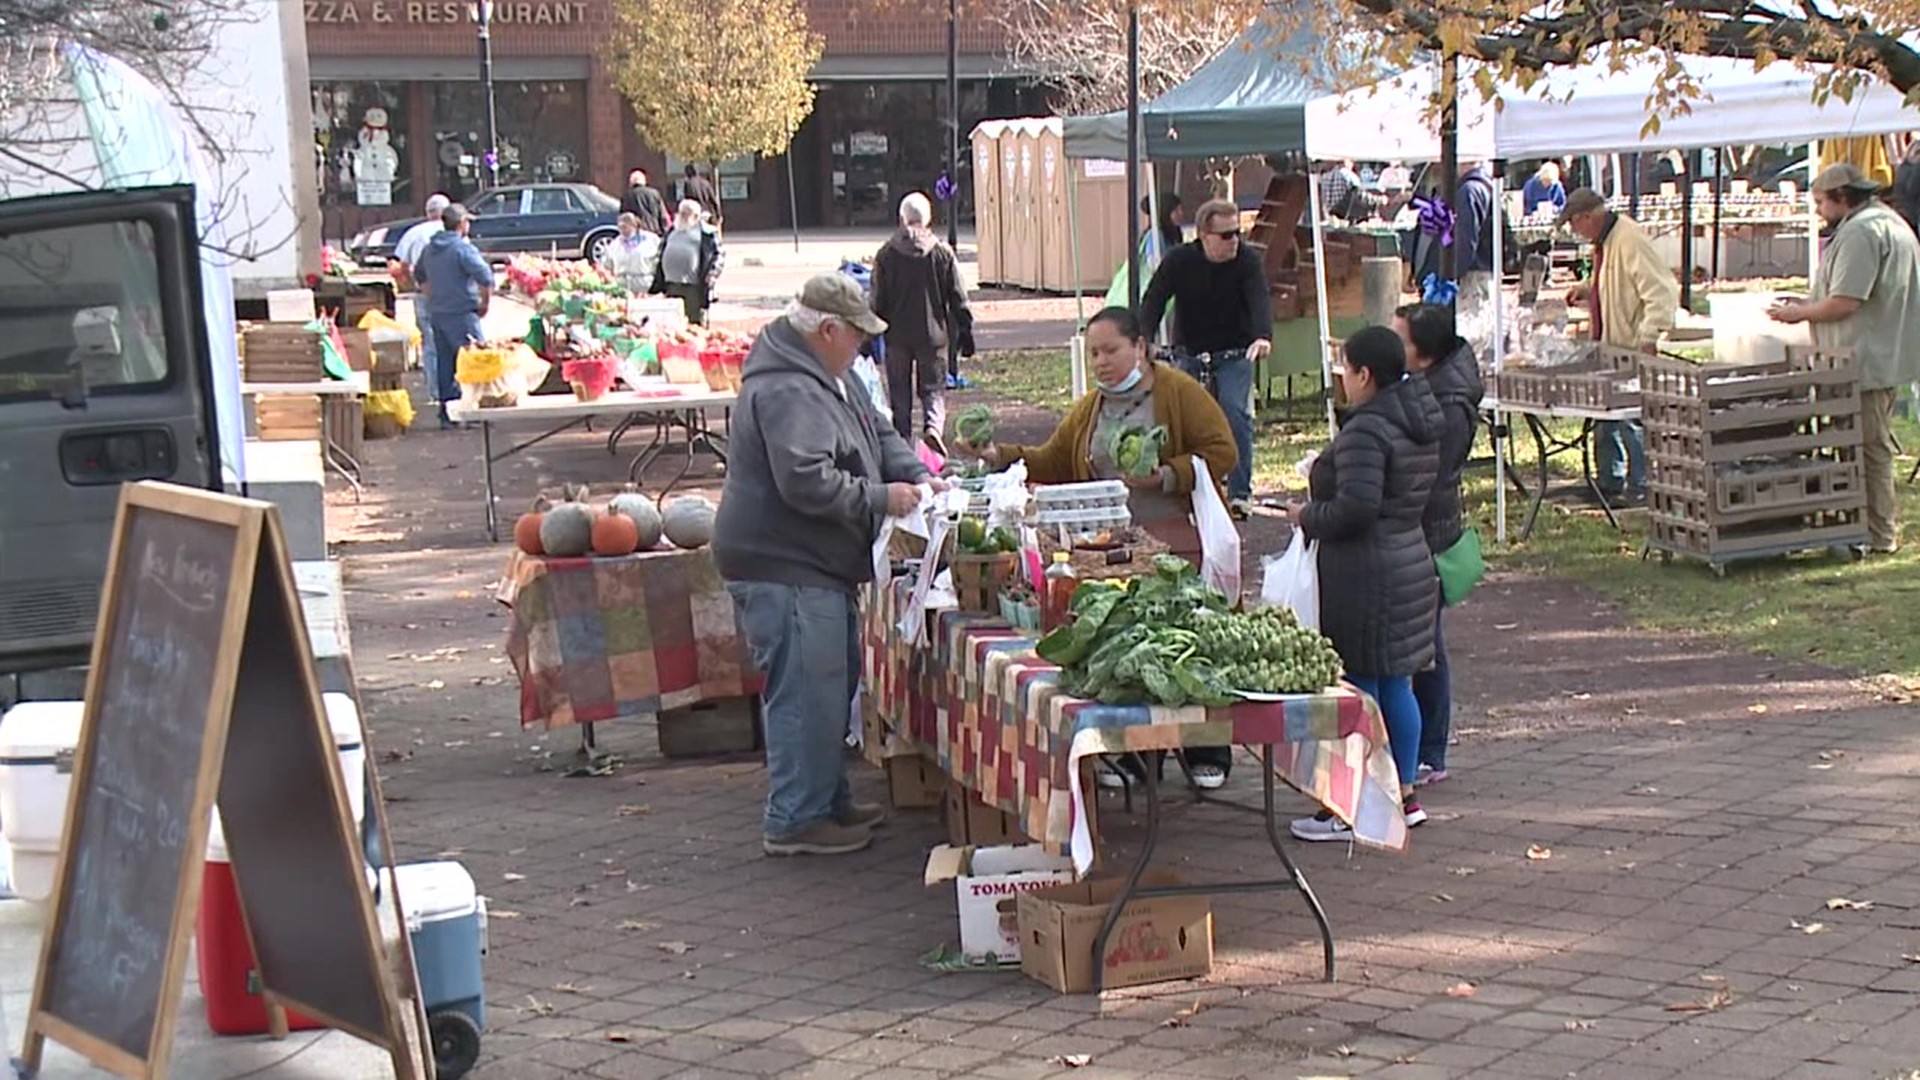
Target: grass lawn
x=1854, y=616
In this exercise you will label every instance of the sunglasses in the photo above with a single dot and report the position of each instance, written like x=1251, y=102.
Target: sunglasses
x=1228, y=234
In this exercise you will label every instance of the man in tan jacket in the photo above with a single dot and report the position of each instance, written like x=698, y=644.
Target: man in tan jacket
x=1632, y=297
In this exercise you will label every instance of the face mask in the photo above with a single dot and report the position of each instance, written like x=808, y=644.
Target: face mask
x=1132, y=380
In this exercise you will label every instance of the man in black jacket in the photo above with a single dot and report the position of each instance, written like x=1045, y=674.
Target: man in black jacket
x=917, y=291
x=642, y=201
x=701, y=190
x=1221, y=289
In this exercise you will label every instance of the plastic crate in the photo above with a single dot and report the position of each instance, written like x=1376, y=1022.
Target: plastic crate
x=1792, y=484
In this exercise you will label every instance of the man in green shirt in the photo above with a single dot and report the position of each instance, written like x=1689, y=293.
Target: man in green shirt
x=1866, y=301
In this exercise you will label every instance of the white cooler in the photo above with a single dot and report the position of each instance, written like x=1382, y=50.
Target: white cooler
x=37, y=741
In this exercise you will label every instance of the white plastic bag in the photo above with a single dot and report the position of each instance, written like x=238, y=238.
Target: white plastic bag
x=1219, y=537
x=1293, y=580
x=869, y=375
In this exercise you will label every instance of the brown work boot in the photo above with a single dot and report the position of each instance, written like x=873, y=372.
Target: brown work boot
x=820, y=838
x=862, y=815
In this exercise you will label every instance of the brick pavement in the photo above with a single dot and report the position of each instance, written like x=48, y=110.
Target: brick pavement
x=1697, y=805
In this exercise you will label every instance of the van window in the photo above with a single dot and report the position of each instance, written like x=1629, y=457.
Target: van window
x=80, y=311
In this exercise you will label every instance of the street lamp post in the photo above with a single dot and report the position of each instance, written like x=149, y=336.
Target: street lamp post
x=482, y=11
x=953, y=122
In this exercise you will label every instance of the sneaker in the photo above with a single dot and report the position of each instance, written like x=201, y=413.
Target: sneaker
x=1240, y=509
x=861, y=815
x=1321, y=828
x=1107, y=776
x=820, y=838
x=958, y=382
x=1430, y=775
x=1208, y=777
x=1415, y=815
x=934, y=442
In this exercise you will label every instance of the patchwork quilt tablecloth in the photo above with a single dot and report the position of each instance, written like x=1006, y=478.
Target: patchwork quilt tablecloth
x=992, y=714
x=597, y=639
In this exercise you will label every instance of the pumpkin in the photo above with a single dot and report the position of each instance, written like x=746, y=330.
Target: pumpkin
x=644, y=514
x=567, y=530
x=526, y=533
x=688, y=521
x=615, y=534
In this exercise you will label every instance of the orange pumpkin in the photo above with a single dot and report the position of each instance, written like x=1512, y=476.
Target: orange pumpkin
x=526, y=533
x=615, y=534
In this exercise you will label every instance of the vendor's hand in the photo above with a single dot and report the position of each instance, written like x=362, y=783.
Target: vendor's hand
x=1155, y=480
x=938, y=484
x=1577, y=295
x=1259, y=350
x=902, y=499
x=988, y=454
x=1295, y=511
x=1788, y=311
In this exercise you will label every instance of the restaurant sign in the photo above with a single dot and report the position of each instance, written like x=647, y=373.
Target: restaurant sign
x=444, y=12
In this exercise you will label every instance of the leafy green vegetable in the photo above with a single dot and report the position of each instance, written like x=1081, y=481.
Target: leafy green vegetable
x=1136, y=450
x=974, y=426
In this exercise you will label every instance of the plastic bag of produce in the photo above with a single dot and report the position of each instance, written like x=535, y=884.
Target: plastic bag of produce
x=380, y=320
x=1219, y=537
x=869, y=375
x=387, y=412
x=1293, y=580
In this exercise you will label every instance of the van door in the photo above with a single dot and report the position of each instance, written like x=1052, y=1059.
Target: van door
x=105, y=377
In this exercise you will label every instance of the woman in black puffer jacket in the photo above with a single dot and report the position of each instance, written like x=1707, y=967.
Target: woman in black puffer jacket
x=1378, y=593
x=1437, y=353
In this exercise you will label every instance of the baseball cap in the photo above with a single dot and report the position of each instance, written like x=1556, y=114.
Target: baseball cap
x=1581, y=201
x=840, y=296
x=1844, y=176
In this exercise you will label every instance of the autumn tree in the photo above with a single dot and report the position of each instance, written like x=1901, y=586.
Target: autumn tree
x=711, y=82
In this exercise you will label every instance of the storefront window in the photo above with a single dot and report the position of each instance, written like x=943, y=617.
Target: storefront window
x=542, y=129
x=735, y=182
x=361, y=143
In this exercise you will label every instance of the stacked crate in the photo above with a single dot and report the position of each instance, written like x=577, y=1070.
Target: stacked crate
x=1752, y=460
x=1604, y=381
x=287, y=353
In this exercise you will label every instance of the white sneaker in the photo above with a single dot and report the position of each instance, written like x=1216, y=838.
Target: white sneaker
x=1208, y=777
x=1320, y=829
x=1106, y=776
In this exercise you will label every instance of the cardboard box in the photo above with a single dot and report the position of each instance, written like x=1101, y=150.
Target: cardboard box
x=987, y=883
x=1158, y=939
x=972, y=822
x=914, y=782
x=725, y=726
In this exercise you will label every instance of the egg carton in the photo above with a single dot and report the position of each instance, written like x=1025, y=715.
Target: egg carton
x=1092, y=495
x=1088, y=518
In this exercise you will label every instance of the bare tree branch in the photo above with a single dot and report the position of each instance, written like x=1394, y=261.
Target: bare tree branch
x=1080, y=48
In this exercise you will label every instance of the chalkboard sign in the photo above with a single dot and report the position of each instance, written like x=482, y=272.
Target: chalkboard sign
x=138, y=818
x=198, y=590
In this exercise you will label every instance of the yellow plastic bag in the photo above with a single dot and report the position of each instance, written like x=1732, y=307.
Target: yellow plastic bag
x=379, y=320
x=478, y=366
x=390, y=403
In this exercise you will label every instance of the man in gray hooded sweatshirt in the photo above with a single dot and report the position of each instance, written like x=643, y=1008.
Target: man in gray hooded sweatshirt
x=812, y=471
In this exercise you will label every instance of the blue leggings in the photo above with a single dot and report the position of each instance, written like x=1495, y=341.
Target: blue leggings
x=1402, y=712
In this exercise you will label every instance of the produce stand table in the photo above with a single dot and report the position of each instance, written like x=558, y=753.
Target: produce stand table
x=1549, y=446
x=670, y=405
x=604, y=639
x=991, y=713
x=331, y=451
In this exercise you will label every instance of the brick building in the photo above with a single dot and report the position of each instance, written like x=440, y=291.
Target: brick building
x=403, y=74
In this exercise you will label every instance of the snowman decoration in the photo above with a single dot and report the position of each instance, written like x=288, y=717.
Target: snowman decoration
x=375, y=162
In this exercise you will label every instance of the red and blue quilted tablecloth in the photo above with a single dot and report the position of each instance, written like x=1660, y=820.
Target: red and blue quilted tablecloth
x=992, y=714
x=596, y=639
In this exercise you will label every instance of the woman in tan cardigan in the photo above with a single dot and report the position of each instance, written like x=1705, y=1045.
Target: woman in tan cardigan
x=1132, y=390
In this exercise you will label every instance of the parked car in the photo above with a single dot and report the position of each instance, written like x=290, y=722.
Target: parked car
x=577, y=220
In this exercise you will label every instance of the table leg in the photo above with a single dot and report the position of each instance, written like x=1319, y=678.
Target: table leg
x=1586, y=472
x=486, y=458
x=1539, y=433
x=1293, y=870
x=1132, y=886
x=613, y=437
x=637, y=469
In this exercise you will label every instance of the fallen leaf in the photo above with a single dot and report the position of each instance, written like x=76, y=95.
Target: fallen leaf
x=456, y=744
x=511, y=876
x=633, y=810
x=1538, y=853
x=492, y=914
x=1074, y=1061
x=677, y=948
x=1676, y=723
x=1461, y=990
x=619, y=1037
x=1462, y=871
x=463, y=594
x=1713, y=978
x=1578, y=1025
x=1506, y=626
x=1441, y=898
x=1911, y=958
x=538, y=1007
x=1757, y=709
x=571, y=988
x=436, y=684
x=1841, y=903
x=1808, y=928
x=636, y=924
x=1180, y=1018
x=1345, y=1051
x=1831, y=755
x=1719, y=999
x=1821, y=766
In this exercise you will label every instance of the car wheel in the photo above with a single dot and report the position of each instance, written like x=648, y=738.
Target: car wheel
x=596, y=245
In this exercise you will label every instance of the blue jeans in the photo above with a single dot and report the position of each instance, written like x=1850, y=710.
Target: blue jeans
x=1620, y=455
x=451, y=333
x=1433, y=689
x=1395, y=696
x=429, y=355
x=1233, y=389
x=807, y=643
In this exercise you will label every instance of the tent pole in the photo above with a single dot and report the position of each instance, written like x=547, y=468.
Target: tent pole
x=1073, y=241
x=1719, y=193
x=1498, y=347
x=1134, y=155
x=1692, y=161
x=1320, y=292
x=1449, y=152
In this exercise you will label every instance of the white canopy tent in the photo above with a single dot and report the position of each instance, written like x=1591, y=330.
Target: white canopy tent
x=1594, y=109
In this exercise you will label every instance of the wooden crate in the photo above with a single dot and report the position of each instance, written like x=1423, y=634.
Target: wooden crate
x=979, y=579
x=722, y=726
x=281, y=352
x=1524, y=386
x=289, y=418
x=346, y=424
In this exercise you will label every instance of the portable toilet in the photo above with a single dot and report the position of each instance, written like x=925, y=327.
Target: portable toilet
x=1050, y=203
x=987, y=204
x=1013, y=206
